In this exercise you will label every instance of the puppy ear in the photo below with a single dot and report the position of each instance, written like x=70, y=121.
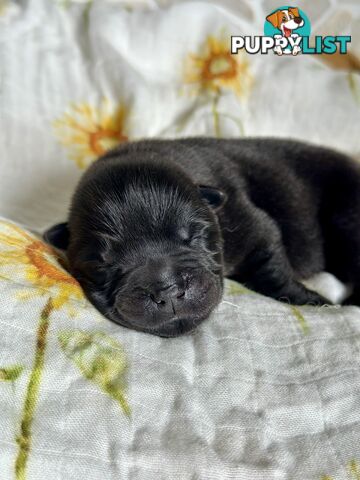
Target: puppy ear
x=274, y=19
x=294, y=11
x=58, y=236
x=214, y=197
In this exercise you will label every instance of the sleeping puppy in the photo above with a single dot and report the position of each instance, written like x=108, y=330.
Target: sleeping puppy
x=155, y=225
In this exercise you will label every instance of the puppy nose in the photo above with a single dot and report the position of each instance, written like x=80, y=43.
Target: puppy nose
x=167, y=294
x=298, y=20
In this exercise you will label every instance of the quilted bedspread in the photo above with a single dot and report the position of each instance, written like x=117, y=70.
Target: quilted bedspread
x=262, y=390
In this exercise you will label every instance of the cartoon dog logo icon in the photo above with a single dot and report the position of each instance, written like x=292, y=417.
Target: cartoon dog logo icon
x=286, y=20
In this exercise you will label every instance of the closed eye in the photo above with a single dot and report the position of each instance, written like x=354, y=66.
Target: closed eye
x=195, y=231
x=184, y=234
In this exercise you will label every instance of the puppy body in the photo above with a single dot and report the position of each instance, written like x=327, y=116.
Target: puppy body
x=290, y=210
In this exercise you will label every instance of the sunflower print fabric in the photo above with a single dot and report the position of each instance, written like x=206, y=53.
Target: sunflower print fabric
x=100, y=359
x=38, y=264
x=216, y=69
x=88, y=132
x=39, y=270
x=83, y=388
x=214, y=72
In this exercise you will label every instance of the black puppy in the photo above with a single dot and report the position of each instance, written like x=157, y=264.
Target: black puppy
x=155, y=225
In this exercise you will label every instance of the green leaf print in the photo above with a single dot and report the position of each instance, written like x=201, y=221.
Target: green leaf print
x=101, y=359
x=10, y=374
x=301, y=319
x=354, y=85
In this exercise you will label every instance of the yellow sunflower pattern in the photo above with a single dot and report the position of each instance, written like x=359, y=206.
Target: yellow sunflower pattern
x=217, y=69
x=37, y=263
x=24, y=258
x=40, y=271
x=88, y=132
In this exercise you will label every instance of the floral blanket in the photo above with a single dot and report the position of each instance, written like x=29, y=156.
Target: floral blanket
x=262, y=390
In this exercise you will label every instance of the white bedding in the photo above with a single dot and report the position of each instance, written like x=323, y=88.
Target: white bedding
x=261, y=390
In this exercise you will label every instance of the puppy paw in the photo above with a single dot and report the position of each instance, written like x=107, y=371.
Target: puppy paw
x=316, y=300
x=305, y=297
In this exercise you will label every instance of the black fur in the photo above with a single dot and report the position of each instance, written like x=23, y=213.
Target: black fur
x=150, y=247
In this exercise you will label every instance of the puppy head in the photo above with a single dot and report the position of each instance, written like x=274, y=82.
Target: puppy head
x=145, y=244
x=286, y=20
